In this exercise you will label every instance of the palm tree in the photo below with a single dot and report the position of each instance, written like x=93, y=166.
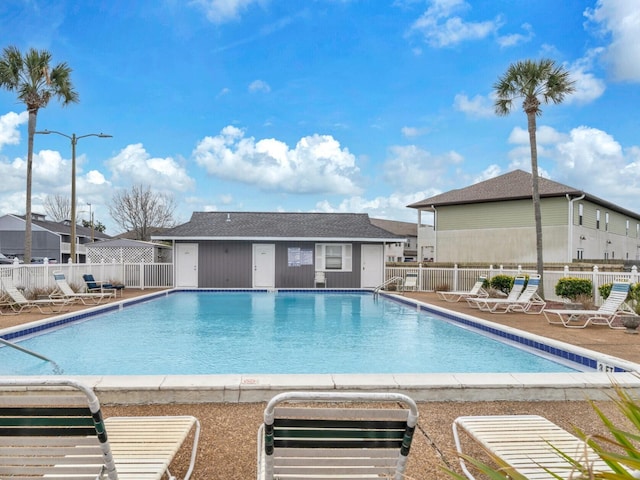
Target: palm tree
x=35, y=82
x=534, y=82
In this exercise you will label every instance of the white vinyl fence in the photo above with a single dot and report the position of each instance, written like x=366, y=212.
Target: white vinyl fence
x=133, y=275
x=432, y=279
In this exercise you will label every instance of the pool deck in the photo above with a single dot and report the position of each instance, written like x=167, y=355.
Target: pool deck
x=227, y=447
x=615, y=346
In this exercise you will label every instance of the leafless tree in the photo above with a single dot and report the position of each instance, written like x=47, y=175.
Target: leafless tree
x=141, y=211
x=57, y=208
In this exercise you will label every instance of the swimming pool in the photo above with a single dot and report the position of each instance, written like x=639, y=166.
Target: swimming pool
x=288, y=332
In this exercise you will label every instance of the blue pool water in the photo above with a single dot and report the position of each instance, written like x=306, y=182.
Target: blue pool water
x=267, y=332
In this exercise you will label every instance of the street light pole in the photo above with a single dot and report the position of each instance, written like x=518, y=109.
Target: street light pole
x=91, y=220
x=74, y=140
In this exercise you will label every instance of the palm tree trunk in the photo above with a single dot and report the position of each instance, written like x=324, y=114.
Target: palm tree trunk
x=531, y=125
x=27, y=226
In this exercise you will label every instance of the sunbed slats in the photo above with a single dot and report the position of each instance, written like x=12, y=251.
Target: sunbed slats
x=42, y=436
x=528, y=444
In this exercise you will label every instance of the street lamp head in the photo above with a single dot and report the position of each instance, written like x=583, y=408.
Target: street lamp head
x=104, y=135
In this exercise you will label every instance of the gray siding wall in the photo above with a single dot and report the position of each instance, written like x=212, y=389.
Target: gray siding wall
x=228, y=264
x=44, y=244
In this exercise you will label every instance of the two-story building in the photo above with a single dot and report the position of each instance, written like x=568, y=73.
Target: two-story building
x=493, y=222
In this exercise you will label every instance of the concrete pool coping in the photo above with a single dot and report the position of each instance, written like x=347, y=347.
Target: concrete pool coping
x=237, y=388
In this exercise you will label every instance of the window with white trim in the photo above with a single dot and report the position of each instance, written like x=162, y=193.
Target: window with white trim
x=334, y=257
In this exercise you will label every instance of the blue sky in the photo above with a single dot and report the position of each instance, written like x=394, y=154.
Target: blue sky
x=319, y=105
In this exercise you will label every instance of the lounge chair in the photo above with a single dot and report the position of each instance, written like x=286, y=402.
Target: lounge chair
x=94, y=286
x=53, y=428
x=332, y=442
x=18, y=303
x=320, y=279
x=530, y=445
x=610, y=309
x=514, y=293
x=64, y=290
x=527, y=302
x=410, y=282
x=455, y=296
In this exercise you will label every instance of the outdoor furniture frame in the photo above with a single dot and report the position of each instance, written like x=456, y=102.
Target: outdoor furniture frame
x=485, y=303
x=19, y=303
x=53, y=428
x=64, y=290
x=527, y=302
x=336, y=442
x=455, y=296
x=530, y=445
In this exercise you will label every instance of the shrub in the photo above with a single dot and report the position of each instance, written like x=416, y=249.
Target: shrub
x=571, y=288
x=504, y=283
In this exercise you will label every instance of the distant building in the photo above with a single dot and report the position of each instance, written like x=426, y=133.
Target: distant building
x=400, y=252
x=492, y=222
x=51, y=240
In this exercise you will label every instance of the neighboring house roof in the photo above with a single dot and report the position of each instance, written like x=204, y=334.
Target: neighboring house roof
x=132, y=234
x=281, y=226
x=514, y=185
x=65, y=228
x=126, y=243
x=406, y=229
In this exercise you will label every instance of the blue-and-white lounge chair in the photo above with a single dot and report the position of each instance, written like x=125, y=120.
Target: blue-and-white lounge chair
x=527, y=302
x=483, y=302
x=455, y=296
x=310, y=442
x=64, y=290
x=611, y=308
x=54, y=428
x=18, y=303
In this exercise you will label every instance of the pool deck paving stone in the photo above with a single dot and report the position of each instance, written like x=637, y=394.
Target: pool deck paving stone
x=227, y=448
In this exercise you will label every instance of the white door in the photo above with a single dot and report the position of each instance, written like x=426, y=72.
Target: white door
x=264, y=265
x=372, y=266
x=187, y=265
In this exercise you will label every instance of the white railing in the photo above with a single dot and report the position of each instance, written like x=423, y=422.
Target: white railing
x=134, y=275
x=434, y=278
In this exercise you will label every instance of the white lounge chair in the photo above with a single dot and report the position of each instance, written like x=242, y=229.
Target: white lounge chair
x=18, y=303
x=64, y=290
x=530, y=445
x=610, y=309
x=410, y=282
x=455, y=296
x=320, y=279
x=53, y=428
x=527, y=302
x=335, y=443
x=483, y=302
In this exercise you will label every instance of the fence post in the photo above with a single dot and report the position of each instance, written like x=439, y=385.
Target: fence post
x=455, y=277
x=565, y=271
x=142, y=274
x=634, y=275
x=419, y=286
x=594, y=280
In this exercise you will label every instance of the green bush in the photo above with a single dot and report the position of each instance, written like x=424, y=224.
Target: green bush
x=605, y=289
x=634, y=290
x=504, y=283
x=571, y=287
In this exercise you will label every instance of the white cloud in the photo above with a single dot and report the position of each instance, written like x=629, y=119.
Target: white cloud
x=259, y=86
x=410, y=167
x=220, y=11
x=316, y=164
x=134, y=165
x=585, y=158
x=620, y=20
x=515, y=39
x=441, y=28
x=9, y=123
x=587, y=86
x=411, y=132
x=478, y=106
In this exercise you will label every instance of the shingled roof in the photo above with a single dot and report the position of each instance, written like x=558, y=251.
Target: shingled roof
x=514, y=185
x=285, y=226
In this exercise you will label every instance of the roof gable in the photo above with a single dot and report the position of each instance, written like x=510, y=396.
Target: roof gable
x=510, y=186
x=255, y=225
